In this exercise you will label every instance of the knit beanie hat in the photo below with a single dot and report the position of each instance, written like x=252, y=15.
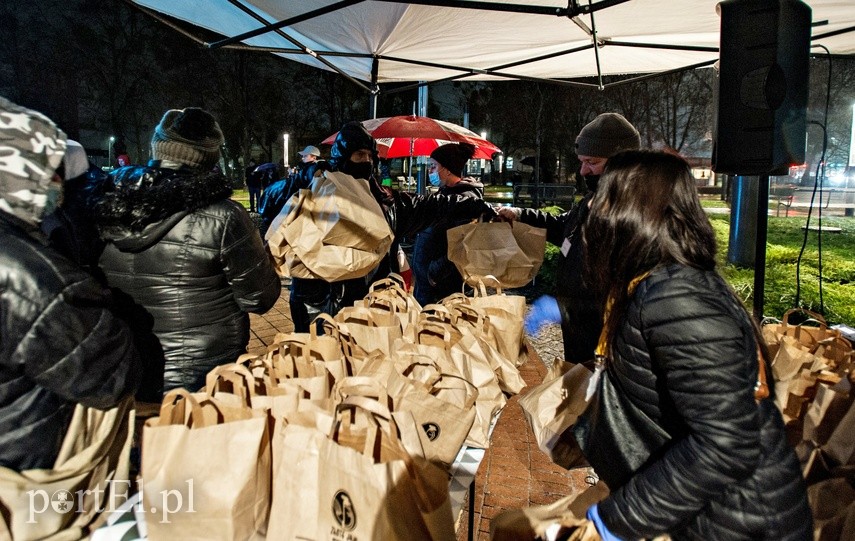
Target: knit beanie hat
x=188, y=136
x=31, y=149
x=454, y=156
x=607, y=134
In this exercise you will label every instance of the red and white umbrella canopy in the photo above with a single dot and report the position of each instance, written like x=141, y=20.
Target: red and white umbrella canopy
x=401, y=136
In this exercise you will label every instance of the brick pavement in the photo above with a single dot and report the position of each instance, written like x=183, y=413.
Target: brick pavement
x=514, y=472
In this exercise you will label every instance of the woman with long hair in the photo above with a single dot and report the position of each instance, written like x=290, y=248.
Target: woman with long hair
x=675, y=427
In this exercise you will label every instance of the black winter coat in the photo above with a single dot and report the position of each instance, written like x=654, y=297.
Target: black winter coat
x=192, y=258
x=436, y=276
x=581, y=313
x=276, y=195
x=674, y=429
x=60, y=345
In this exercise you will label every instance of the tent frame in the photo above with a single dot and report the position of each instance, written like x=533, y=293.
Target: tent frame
x=574, y=9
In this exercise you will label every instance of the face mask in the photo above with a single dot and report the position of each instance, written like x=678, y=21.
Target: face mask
x=54, y=198
x=592, y=181
x=358, y=170
x=433, y=178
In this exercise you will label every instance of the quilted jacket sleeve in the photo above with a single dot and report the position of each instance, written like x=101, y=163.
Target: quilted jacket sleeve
x=554, y=225
x=255, y=285
x=701, y=351
x=414, y=213
x=79, y=350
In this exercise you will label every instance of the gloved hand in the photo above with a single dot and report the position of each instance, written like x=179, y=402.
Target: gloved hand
x=593, y=515
x=544, y=311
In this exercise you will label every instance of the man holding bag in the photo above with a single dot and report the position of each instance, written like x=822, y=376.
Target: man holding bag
x=436, y=276
x=574, y=305
x=354, y=153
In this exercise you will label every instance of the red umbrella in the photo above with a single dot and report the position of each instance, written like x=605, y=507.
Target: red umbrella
x=402, y=136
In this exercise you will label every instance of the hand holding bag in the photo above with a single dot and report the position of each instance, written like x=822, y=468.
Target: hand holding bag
x=512, y=252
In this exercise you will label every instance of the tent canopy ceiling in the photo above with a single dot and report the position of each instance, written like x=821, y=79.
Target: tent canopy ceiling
x=384, y=41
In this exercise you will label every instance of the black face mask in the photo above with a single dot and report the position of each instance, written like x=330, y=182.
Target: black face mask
x=358, y=170
x=592, y=181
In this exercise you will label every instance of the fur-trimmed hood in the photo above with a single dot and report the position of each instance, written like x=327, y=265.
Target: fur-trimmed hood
x=140, y=204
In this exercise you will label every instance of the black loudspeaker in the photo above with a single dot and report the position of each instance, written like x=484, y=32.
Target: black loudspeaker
x=761, y=90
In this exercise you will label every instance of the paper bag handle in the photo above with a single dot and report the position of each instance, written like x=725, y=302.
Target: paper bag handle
x=471, y=396
x=172, y=409
x=237, y=374
x=482, y=288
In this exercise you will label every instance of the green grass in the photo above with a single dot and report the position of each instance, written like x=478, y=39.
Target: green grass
x=784, y=241
x=242, y=197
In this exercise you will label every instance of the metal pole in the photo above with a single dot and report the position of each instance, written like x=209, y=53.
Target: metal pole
x=760, y=246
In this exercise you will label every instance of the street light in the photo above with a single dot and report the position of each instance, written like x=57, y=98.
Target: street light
x=110, y=152
x=285, y=156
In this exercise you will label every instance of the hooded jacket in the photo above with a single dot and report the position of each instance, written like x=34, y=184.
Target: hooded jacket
x=61, y=345
x=436, y=276
x=674, y=429
x=192, y=258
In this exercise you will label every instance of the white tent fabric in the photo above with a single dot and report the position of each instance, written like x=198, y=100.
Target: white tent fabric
x=438, y=42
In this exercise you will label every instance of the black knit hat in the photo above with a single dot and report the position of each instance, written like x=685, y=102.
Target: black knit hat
x=188, y=136
x=454, y=156
x=607, y=134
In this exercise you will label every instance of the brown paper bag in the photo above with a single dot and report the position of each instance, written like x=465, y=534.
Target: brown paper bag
x=554, y=406
x=568, y=513
x=358, y=482
x=828, y=408
x=206, y=469
x=809, y=334
x=337, y=230
x=443, y=405
x=513, y=253
x=506, y=313
x=371, y=329
x=840, y=446
x=832, y=504
x=94, y=456
x=474, y=322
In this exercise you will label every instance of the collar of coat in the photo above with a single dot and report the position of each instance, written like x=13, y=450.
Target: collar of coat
x=135, y=197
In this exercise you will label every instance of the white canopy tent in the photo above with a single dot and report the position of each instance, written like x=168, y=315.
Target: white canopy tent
x=381, y=41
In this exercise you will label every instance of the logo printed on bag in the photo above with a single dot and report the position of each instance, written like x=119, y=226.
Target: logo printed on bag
x=62, y=501
x=343, y=510
x=431, y=430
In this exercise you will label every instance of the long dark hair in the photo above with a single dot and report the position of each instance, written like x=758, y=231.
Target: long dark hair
x=645, y=214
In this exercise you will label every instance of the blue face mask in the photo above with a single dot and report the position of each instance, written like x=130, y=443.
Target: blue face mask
x=434, y=178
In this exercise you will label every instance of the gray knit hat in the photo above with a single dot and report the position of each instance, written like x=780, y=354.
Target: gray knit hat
x=188, y=136
x=607, y=134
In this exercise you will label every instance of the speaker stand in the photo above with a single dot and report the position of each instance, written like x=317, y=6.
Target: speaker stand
x=760, y=245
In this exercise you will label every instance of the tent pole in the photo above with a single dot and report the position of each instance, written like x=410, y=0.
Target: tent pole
x=596, y=50
x=375, y=88
x=760, y=246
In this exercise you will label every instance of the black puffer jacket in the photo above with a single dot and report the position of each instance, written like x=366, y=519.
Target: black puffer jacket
x=674, y=429
x=436, y=276
x=60, y=345
x=581, y=315
x=192, y=258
